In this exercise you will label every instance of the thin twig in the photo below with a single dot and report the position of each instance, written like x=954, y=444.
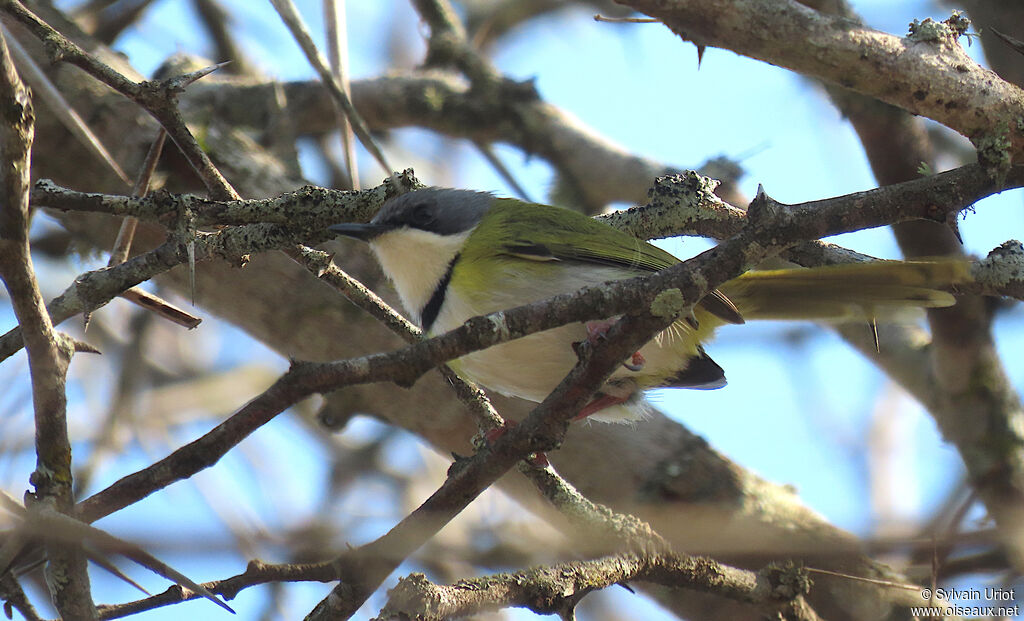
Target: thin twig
x=290, y=15
x=49, y=524
x=159, y=306
x=885, y=583
x=625, y=20
x=337, y=53
x=216, y=21
x=1013, y=42
x=13, y=595
x=123, y=244
x=256, y=573
x=492, y=158
x=448, y=44
x=106, y=23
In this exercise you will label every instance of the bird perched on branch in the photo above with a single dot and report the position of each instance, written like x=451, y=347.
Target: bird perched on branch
x=455, y=254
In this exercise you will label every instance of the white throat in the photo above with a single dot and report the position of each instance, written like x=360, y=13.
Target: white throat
x=416, y=261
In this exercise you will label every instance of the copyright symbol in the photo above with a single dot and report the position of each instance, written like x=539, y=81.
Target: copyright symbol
x=926, y=593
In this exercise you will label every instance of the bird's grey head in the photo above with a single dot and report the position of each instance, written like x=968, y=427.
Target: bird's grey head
x=443, y=211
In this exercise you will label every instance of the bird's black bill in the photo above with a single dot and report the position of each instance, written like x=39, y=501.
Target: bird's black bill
x=365, y=232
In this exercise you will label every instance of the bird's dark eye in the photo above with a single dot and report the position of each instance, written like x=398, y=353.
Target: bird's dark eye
x=421, y=215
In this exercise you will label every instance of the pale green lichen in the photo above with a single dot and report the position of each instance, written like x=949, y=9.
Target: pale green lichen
x=669, y=303
x=997, y=143
x=928, y=30
x=433, y=98
x=994, y=151
x=1005, y=264
x=677, y=202
x=499, y=325
x=689, y=190
x=933, y=31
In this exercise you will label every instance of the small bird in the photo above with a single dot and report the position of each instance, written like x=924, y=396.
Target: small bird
x=454, y=254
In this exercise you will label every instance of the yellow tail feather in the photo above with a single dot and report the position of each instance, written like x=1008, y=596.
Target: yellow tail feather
x=854, y=292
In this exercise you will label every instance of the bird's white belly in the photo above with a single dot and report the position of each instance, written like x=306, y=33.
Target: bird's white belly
x=533, y=366
x=530, y=367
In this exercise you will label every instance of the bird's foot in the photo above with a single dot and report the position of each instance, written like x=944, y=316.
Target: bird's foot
x=636, y=362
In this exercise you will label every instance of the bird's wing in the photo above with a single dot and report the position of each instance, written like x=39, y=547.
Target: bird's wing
x=592, y=242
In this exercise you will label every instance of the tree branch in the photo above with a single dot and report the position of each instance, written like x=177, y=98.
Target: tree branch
x=777, y=592
x=927, y=73
x=49, y=352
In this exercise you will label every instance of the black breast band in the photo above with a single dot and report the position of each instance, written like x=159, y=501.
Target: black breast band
x=429, y=314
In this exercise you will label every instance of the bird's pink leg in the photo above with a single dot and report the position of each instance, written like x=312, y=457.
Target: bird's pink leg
x=598, y=404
